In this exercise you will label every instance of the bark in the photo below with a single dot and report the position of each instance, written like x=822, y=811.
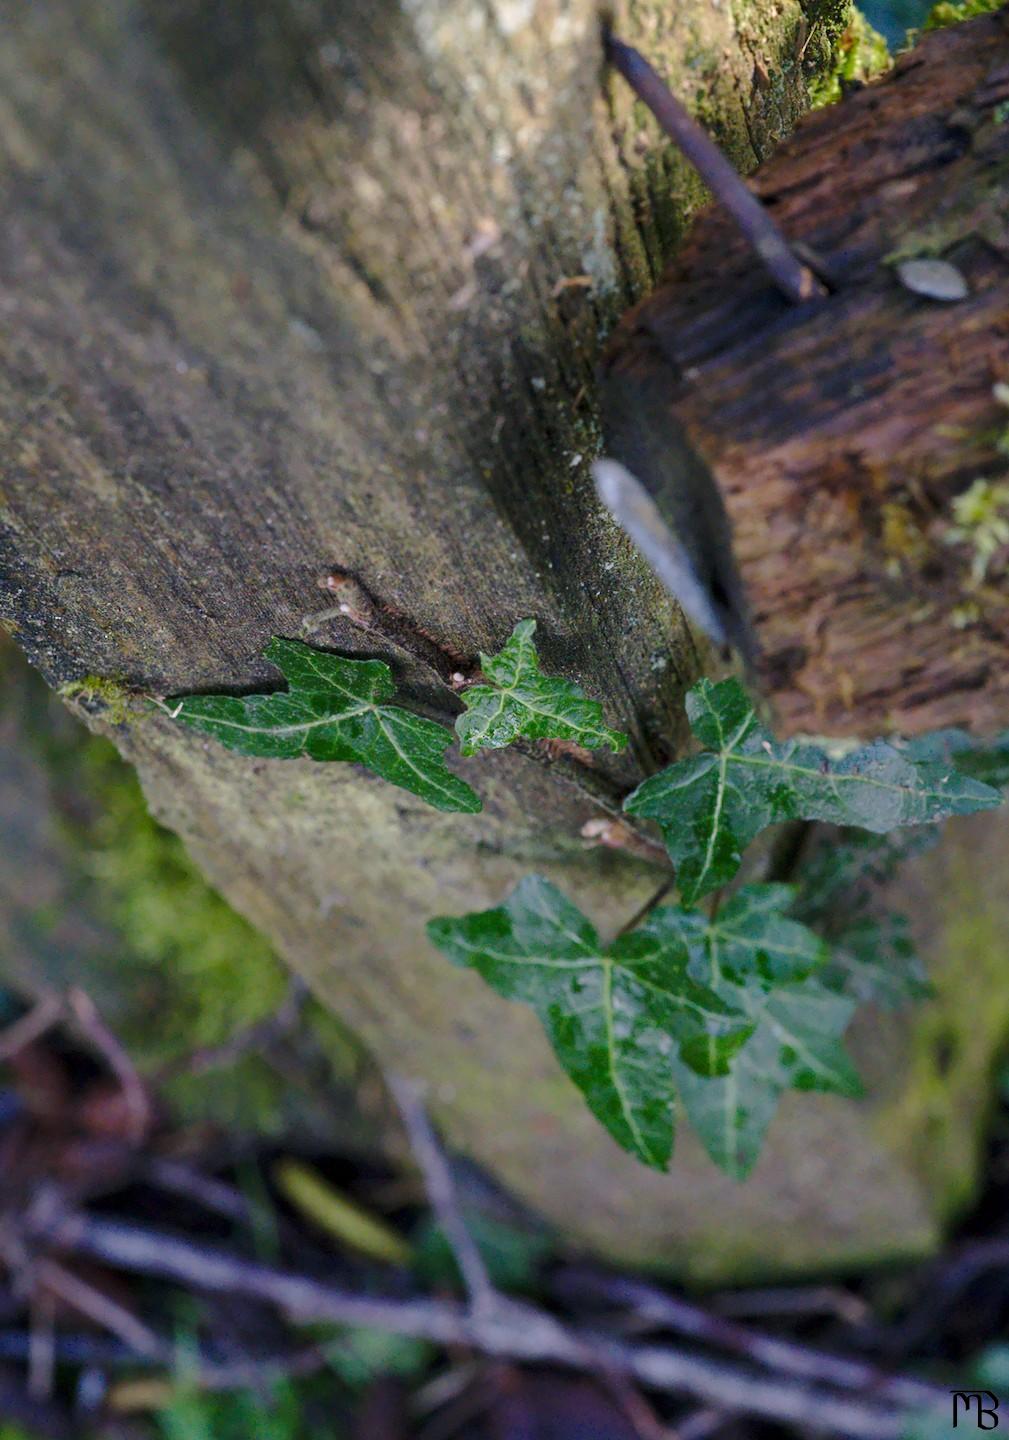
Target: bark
x=287, y=290
x=841, y=432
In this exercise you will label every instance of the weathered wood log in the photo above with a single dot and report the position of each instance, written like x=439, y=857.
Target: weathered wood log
x=842, y=431
x=286, y=288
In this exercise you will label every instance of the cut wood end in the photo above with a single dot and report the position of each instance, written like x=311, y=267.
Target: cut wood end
x=861, y=442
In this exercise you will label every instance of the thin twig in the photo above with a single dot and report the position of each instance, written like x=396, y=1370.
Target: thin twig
x=98, y=1352
x=646, y=909
x=458, y=1416
x=942, y=1285
x=204, y=1268
x=252, y=1371
x=258, y=1037
x=793, y=279
x=31, y=1026
x=643, y=1419
x=442, y=1194
x=793, y=1300
x=175, y=1178
x=446, y=1386
x=785, y=1357
x=100, y=1308
x=41, y=1353
x=521, y=1333
x=700, y=1425
x=94, y=1029
x=73, y=1349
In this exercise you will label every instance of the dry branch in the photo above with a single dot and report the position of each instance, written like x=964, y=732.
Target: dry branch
x=521, y=1333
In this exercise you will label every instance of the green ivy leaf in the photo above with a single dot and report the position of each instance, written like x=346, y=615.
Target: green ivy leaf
x=710, y=806
x=846, y=870
x=521, y=700
x=752, y=942
x=796, y=1044
x=335, y=709
x=984, y=760
x=614, y=1015
x=760, y=961
x=987, y=763
x=874, y=958
x=726, y=1006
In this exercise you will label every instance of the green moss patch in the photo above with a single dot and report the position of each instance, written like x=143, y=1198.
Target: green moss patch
x=173, y=967
x=860, y=53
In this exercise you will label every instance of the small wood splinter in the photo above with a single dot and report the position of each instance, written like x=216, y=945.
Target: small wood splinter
x=794, y=279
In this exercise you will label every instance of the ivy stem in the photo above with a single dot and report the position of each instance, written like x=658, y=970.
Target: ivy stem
x=647, y=908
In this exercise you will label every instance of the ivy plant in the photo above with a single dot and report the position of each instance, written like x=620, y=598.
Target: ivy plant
x=520, y=700
x=774, y=998
x=710, y=806
x=614, y=1013
x=727, y=1006
x=334, y=709
x=872, y=954
x=723, y=1006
